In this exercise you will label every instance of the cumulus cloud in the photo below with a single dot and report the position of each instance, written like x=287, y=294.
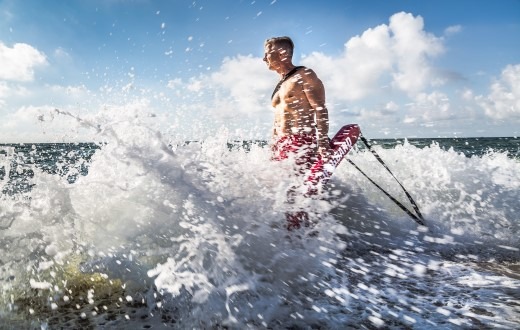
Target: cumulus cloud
x=174, y=83
x=503, y=101
x=6, y=15
x=429, y=107
x=13, y=127
x=247, y=81
x=3, y=92
x=9, y=90
x=46, y=123
x=19, y=62
x=396, y=54
x=27, y=113
x=61, y=54
x=451, y=30
x=357, y=72
x=240, y=86
x=195, y=85
x=176, y=86
x=386, y=113
x=413, y=48
x=4, y=89
x=389, y=61
x=384, y=76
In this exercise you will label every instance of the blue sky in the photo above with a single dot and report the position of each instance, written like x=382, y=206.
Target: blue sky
x=398, y=68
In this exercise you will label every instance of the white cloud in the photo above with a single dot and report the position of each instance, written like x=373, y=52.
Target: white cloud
x=195, y=85
x=19, y=62
x=46, y=123
x=176, y=86
x=413, y=48
x=79, y=91
x=467, y=95
x=248, y=82
x=381, y=61
x=8, y=90
x=430, y=107
x=398, y=54
x=385, y=113
x=378, y=65
x=503, y=101
x=370, y=82
x=13, y=127
x=17, y=95
x=356, y=73
x=391, y=107
x=4, y=89
x=451, y=30
x=237, y=94
x=61, y=54
x=27, y=113
x=174, y=83
x=5, y=14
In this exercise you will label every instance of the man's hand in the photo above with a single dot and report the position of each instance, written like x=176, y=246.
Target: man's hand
x=324, y=149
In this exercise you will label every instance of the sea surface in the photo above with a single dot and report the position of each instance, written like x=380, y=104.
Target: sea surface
x=144, y=232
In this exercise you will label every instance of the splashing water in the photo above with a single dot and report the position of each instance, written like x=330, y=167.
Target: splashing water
x=161, y=233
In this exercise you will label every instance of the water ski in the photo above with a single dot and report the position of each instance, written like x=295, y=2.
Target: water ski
x=341, y=144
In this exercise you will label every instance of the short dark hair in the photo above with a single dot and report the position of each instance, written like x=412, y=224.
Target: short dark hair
x=282, y=42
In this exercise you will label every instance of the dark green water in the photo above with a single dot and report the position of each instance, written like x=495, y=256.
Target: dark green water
x=73, y=159
x=467, y=146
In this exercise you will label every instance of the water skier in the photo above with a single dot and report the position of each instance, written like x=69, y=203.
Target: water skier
x=301, y=121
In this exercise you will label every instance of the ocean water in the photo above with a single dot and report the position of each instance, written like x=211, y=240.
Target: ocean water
x=142, y=231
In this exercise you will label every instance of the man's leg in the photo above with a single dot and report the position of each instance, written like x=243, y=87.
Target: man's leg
x=304, y=148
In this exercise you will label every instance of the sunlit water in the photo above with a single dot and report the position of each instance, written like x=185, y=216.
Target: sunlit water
x=141, y=231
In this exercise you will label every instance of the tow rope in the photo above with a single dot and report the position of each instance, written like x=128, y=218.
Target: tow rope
x=417, y=216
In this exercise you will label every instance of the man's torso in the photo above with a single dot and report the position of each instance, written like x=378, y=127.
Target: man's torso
x=293, y=113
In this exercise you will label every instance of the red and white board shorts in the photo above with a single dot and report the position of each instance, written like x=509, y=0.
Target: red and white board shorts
x=300, y=146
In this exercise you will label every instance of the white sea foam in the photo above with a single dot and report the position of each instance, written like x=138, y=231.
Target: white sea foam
x=195, y=235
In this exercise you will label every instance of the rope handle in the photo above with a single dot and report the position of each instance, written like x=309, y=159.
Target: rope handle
x=418, y=216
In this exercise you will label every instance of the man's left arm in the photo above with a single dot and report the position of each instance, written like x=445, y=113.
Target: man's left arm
x=315, y=93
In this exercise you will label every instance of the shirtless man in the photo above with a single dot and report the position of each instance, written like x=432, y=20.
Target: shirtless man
x=301, y=121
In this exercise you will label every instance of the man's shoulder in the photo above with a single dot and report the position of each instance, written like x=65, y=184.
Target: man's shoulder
x=303, y=71
x=302, y=68
x=307, y=73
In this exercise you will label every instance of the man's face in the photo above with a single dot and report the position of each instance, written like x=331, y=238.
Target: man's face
x=271, y=56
